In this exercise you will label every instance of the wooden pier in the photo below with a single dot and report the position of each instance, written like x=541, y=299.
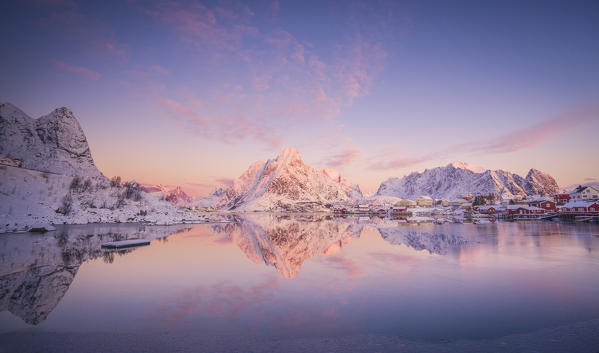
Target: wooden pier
x=129, y=243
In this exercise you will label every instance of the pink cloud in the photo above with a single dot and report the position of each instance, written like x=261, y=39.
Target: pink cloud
x=284, y=78
x=111, y=48
x=343, y=158
x=77, y=70
x=229, y=127
x=157, y=69
x=225, y=181
x=516, y=140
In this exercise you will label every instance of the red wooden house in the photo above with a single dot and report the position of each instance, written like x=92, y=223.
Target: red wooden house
x=525, y=210
x=561, y=199
x=580, y=207
x=547, y=205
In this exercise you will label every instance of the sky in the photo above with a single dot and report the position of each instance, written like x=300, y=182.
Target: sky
x=191, y=93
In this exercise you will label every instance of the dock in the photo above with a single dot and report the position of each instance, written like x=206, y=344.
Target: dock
x=125, y=243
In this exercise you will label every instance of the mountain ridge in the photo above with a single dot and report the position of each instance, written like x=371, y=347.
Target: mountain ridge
x=455, y=180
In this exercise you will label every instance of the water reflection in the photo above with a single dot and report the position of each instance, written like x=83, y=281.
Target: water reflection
x=286, y=242
x=37, y=270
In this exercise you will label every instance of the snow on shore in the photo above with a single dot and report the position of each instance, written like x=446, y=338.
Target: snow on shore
x=29, y=198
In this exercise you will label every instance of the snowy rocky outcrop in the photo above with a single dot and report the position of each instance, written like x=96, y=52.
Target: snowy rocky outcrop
x=174, y=195
x=540, y=183
x=209, y=200
x=352, y=190
x=458, y=179
x=48, y=176
x=52, y=143
x=286, y=183
x=29, y=197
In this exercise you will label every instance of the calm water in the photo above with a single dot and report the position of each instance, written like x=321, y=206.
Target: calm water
x=304, y=276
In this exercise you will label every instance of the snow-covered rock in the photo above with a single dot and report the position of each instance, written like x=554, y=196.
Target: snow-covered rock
x=48, y=176
x=29, y=197
x=52, y=143
x=210, y=200
x=458, y=179
x=175, y=195
x=285, y=183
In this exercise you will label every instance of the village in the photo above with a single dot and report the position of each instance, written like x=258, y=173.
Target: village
x=581, y=205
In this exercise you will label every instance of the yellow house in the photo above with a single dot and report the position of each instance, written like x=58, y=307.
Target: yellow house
x=405, y=203
x=424, y=201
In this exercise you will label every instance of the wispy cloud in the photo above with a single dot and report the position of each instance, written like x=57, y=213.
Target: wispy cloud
x=343, y=158
x=225, y=181
x=226, y=128
x=77, y=70
x=527, y=137
x=281, y=77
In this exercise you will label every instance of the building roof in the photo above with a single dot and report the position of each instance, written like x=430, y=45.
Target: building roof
x=525, y=207
x=582, y=188
x=579, y=203
x=542, y=199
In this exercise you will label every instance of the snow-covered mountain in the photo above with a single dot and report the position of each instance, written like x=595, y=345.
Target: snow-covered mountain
x=209, y=200
x=458, y=179
x=286, y=183
x=52, y=143
x=48, y=176
x=174, y=195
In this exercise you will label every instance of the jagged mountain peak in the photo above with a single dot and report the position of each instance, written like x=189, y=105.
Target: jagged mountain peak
x=541, y=182
x=454, y=181
x=288, y=155
x=52, y=143
x=283, y=183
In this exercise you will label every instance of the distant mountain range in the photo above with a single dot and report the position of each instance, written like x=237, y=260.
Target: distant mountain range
x=458, y=179
x=174, y=194
x=56, y=143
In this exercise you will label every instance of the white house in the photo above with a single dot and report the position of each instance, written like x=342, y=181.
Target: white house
x=582, y=193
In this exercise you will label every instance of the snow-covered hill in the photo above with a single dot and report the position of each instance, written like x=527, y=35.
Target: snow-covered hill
x=209, y=201
x=29, y=197
x=48, y=176
x=286, y=183
x=458, y=179
x=174, y=195
x=52, y=143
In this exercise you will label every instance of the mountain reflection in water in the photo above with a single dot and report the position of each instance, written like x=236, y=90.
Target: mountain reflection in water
x=36, y=271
